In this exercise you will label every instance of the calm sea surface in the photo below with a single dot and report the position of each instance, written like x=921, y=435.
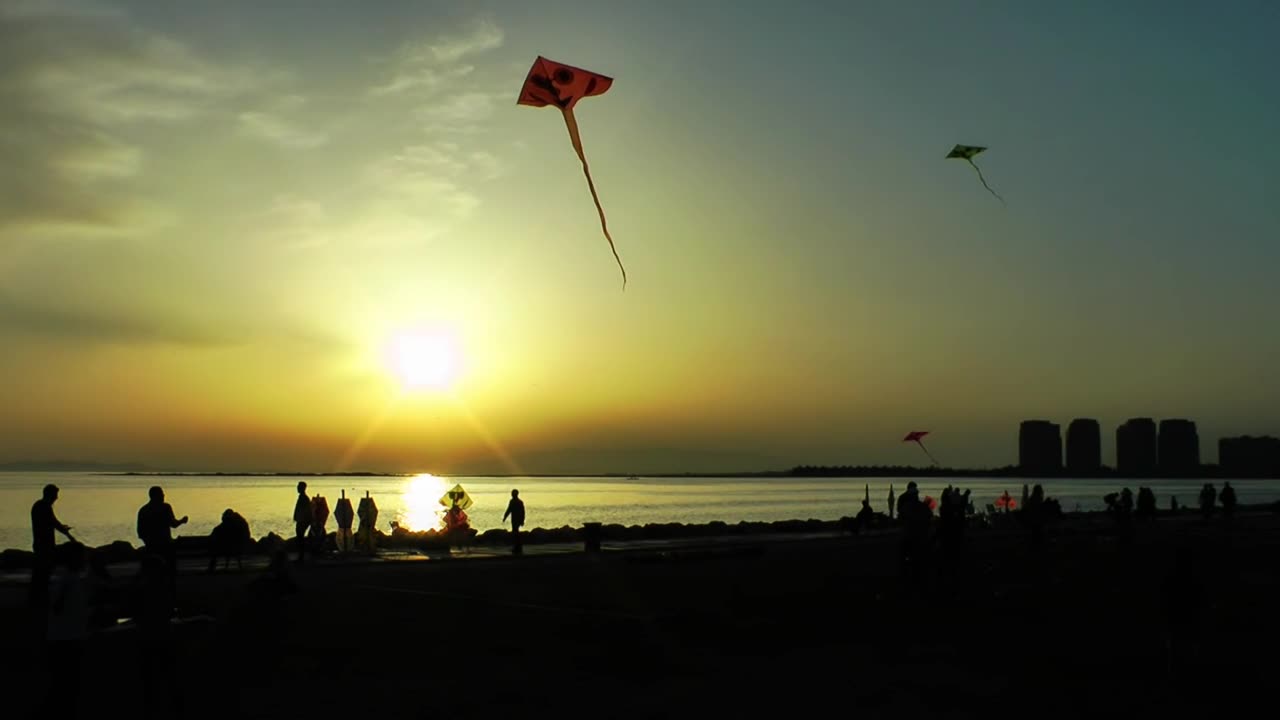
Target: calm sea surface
x=103, y=508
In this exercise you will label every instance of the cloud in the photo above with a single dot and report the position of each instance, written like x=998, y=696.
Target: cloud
x=73, y=78
x=462, y=108
x=274, y=126
x=486, y=165
x=433, y=65
x=419, y=179
x=99, y=324
x=100, y=68
x=425, y=77
x=294, y=223
x=484, y=35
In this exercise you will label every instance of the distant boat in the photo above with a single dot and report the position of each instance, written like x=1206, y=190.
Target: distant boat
x=633, y=477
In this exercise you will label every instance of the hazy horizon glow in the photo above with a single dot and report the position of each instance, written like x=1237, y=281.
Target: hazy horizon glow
x=214, y=217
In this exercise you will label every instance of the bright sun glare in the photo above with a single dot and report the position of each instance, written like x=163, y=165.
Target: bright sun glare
x=424, y=361
x=422, y=508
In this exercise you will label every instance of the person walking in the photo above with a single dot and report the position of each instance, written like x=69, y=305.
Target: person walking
x=515, y=510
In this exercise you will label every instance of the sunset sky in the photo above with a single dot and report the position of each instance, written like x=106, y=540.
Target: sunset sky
x=215, y=218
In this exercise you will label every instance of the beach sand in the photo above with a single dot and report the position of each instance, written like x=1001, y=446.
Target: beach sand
x=753, y=627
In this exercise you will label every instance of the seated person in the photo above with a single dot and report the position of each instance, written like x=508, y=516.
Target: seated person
x=456, y=527
x=455, y=519
x=229, y=539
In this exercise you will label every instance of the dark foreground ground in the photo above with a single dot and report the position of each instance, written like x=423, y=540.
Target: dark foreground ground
x=827, y=627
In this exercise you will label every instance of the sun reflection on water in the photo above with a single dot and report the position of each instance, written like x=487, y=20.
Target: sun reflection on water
x=422, y=509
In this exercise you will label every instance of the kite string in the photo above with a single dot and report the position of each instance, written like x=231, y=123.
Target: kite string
x=984, y=183
x=572, y=123
x=926, y=452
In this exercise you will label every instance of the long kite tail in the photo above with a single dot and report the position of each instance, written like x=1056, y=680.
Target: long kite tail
x=985, y=185
x=572, y=123
x=926, y=452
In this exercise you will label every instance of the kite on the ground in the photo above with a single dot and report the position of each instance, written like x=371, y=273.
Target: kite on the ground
x=917, y=437
x=967, y=153
x=456, y=496
x=553, y=83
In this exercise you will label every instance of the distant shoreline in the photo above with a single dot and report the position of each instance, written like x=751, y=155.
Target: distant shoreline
x=1209, y=472
x=1204, y=472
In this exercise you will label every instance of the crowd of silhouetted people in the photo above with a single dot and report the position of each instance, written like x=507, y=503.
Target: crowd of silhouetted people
x=73, y=593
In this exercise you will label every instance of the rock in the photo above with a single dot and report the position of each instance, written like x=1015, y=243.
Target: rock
x=117, y=552
x=13, y=560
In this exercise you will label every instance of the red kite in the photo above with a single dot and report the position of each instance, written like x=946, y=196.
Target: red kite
x=917, y=437
x=967, y=153
x=553, y=83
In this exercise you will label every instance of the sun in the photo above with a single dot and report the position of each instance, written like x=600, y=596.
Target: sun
x=424, y=361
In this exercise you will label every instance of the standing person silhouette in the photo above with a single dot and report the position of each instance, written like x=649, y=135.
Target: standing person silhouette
x=1228, y=499
x=515, y=510
x=43, y=525
x=156, y=522
x=302, y=517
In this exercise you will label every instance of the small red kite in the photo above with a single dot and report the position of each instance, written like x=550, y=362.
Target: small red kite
x=553, y=83
x=917, y=437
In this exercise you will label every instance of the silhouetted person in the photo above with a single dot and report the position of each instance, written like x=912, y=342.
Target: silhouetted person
x=515, y=510
x=1146, y=503
x=1208, y=496
x=915, y=516
x=908, y=498
x=865, y=516
x=1033, y=514
x=1121, y=507
x=302, y=519
x=1228, y=498
x=68, y=627
x=892, y=501
x=228, y=540
x=43, y=543
x=952, y=518
x=1173, y=504
x=1006, y=501
x=156, y=522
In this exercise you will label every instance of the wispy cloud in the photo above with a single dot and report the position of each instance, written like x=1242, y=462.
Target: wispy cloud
x=294, y=223
x=428, y=78
x=98, y=324
x=73, y=77
x=484, y=35
x=434, y=64
x=275, y=126
x=461, y=110
x=425, y=178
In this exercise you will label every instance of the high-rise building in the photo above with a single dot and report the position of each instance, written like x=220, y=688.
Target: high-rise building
x=1179, y=452
x=1039, y=446
x=1249, y=456
x=1084, y=446
x=1136, y=447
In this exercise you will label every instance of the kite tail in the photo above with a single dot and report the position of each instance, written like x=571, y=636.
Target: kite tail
x=570, y=121
x=926, y=450
x=988, y=187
